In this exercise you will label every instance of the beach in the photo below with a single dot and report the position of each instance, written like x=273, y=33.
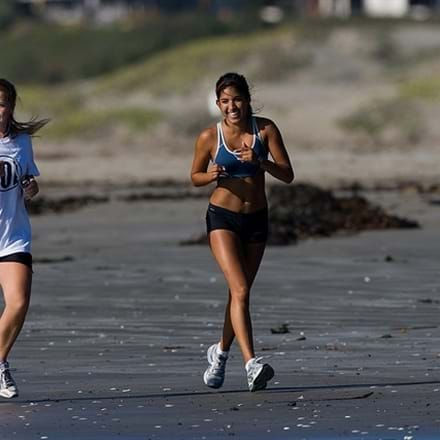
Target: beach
x=122, y=314
x=123, y=309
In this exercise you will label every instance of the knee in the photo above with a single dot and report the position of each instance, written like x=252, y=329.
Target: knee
x=18, y=307
x=240, y=295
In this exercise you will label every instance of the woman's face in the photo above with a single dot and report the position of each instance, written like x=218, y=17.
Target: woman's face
x=233, y=105
x=5, y=111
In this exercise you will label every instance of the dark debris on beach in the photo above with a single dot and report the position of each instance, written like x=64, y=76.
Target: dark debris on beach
x=296, y=212
x=42, y=205
x=302, y=211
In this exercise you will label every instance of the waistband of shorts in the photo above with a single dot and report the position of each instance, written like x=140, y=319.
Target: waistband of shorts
x=18, y=257
x=244, y=214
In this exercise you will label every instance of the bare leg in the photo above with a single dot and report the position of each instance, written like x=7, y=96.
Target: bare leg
x=15, y=280
x=253, y=254
x=232, y=258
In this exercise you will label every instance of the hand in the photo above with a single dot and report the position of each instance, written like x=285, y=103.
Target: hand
x=2, y=168
x=30, y=189
x=247, y=154
x=214, y=172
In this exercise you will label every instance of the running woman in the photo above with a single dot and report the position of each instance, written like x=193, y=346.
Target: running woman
x=17, y=183
x=237, y=215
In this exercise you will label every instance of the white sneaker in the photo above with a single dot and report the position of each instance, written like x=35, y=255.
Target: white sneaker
x=8, y=387
x=214, y=375
x=258, y=374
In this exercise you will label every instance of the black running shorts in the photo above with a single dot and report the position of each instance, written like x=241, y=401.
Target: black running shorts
x=250, y=228
x=18, y=257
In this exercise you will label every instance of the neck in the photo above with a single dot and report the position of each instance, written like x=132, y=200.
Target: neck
x=4, y=129
x=242, y=125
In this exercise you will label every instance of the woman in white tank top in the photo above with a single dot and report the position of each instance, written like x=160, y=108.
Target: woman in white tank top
x=17, y=183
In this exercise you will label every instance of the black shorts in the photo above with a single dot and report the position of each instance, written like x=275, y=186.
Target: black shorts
x=251, y=228
x=19, y=257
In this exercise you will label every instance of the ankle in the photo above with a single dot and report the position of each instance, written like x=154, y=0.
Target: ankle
x=4, y=365
x=249, y=362
x=220, y=351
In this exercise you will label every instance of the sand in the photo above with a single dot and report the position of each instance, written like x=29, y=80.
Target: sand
x=121, y=316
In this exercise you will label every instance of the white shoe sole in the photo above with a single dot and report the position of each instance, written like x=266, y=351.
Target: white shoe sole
x=7, y=394
x=205, y=379
x=209, y=355
x=261, y=380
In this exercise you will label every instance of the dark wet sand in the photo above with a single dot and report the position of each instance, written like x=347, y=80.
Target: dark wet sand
x=114, y=345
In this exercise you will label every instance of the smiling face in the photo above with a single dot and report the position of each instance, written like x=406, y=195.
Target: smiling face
x=5, y=111
x=234, y=106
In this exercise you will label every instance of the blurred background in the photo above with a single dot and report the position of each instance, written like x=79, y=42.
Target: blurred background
x=354, y=85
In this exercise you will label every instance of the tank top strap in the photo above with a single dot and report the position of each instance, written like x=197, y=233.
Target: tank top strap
x=255, y=129
x=220, y=136
x=220, y=140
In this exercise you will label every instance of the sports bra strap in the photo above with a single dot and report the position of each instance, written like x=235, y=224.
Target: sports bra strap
x=255, y=128
x=220, y=139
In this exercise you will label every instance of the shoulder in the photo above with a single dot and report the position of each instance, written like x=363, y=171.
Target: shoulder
x=207, y=137
x=266, y=126
x=23, y=140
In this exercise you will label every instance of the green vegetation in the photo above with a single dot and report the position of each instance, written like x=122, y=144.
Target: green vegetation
x=421, y=88
x=50, y=101
x=178, y=69
x=91, y=124
x=80, y=108
x=48, y=54
x=73, y=109
x=72, y=115
x=115, y=94
x=385, y=122
x=8, y=12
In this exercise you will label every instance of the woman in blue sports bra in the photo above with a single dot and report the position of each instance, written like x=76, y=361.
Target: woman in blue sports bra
x=237, y=222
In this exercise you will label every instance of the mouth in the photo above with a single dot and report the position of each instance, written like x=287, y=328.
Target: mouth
x=234, y=115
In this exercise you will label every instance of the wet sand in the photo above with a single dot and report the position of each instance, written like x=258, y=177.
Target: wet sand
x=121, y=317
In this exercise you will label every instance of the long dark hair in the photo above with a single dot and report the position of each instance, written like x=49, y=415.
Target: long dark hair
x=15, y=127
x=232, y=79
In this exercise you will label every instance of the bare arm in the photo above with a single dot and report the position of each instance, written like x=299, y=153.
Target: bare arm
x=30, y=188
x=200, y=173
x=280, y=167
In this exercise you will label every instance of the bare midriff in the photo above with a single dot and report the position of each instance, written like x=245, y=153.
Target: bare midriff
x=244, y=194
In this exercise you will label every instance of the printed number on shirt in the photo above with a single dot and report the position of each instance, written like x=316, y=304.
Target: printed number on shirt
x=11, y=174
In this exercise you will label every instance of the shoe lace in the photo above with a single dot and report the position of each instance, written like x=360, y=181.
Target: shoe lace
x=254, y=365
x=219, y=365
x=7, y=378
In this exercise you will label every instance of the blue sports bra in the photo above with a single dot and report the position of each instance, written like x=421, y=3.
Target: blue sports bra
x=226, y=158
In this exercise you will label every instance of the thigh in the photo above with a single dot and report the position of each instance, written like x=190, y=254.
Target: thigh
x=228, y=252
x=15, y=281
x=253, y=254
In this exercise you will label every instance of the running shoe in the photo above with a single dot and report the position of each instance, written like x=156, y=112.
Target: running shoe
x=214, y=375
x=8, y=387
x=258, y=374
